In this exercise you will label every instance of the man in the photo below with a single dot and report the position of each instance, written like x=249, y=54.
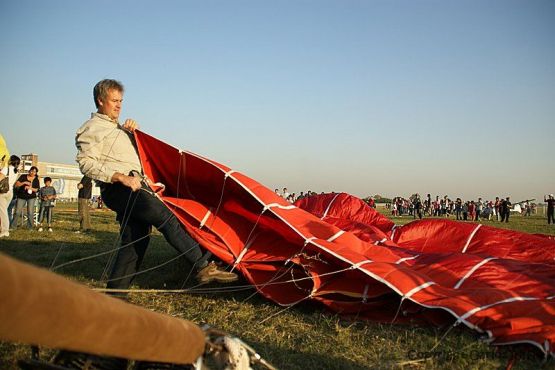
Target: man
x=417, y=204
x=285, y=193
x=506, y=209
x=550, y=208
x=83, y=197
x=497, y=208
x=479, y=206
x=107, y=153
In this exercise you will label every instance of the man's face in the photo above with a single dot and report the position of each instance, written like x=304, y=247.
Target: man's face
x=111, y=105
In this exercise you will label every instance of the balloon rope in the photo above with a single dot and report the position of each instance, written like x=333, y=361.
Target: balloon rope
x=216, y=289
x=284, y=309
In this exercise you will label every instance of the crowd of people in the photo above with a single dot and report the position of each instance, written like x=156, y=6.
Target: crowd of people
x=293, y=197
x=25, y=203
x=464, y=210
x=22, y=197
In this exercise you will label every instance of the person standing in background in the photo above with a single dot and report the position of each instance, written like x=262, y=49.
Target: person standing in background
x=9, y=171
x=505, y=209
x=550, y=200
x=27, y=187
x=47, y=195
x=14, y=162
x=83, y=197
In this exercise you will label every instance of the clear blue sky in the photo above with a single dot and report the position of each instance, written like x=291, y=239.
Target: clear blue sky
x=366, y=97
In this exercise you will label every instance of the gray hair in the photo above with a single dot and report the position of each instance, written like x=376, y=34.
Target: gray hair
x=101, y=89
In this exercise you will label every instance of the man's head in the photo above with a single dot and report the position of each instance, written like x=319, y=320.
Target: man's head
x=108, y=95
x=47, y=181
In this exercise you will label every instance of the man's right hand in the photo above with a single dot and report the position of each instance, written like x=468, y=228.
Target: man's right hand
x=131, y=182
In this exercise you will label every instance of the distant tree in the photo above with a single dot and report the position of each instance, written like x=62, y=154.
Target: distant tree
x=378, y=199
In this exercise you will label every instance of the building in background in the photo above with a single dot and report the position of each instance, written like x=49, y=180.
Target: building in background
x=65, y=177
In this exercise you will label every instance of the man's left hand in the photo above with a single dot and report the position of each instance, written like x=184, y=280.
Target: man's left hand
x=130, y=125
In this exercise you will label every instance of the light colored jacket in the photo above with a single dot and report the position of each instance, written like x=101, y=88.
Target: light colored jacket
x=104, y=148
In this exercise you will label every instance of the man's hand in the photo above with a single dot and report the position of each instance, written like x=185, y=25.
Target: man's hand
x=79, y=186
x=130, y=125
x=131, y=182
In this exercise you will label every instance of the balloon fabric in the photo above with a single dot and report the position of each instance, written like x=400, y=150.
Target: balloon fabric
x=334, y=250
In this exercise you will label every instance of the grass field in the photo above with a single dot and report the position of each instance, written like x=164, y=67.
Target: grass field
x=304, y=337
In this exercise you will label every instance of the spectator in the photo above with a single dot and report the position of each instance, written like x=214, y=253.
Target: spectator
x=285, y=193
x=472, y=210
x=465, y=211
x=47, y=195
x=83, y=197
x=458, y=208
x=27, y=187
x=491, y=210
x=479, y=206
x=527, y=209
x=550, y=208
x=15, y=162
x=505, y=209
x=417, y=207
x=9, y=171
x=497, y=208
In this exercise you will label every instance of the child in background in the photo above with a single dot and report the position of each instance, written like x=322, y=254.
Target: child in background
x=47, y=195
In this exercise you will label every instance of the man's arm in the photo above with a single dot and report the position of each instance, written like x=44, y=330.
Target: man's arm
x=90, y=142
x=131, y=182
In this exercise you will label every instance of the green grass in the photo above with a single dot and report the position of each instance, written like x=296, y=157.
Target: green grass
x=303, y=337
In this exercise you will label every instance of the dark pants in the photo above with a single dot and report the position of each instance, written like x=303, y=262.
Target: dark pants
x=550, y=218
x=137, y=212
x=83, y=210
x=505, y=215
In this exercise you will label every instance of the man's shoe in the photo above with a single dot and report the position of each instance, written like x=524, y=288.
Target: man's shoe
x=50, y=229
x=214, y=273
x=40, y=229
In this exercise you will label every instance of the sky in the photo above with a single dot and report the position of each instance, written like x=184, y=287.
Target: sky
x=366, y=97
